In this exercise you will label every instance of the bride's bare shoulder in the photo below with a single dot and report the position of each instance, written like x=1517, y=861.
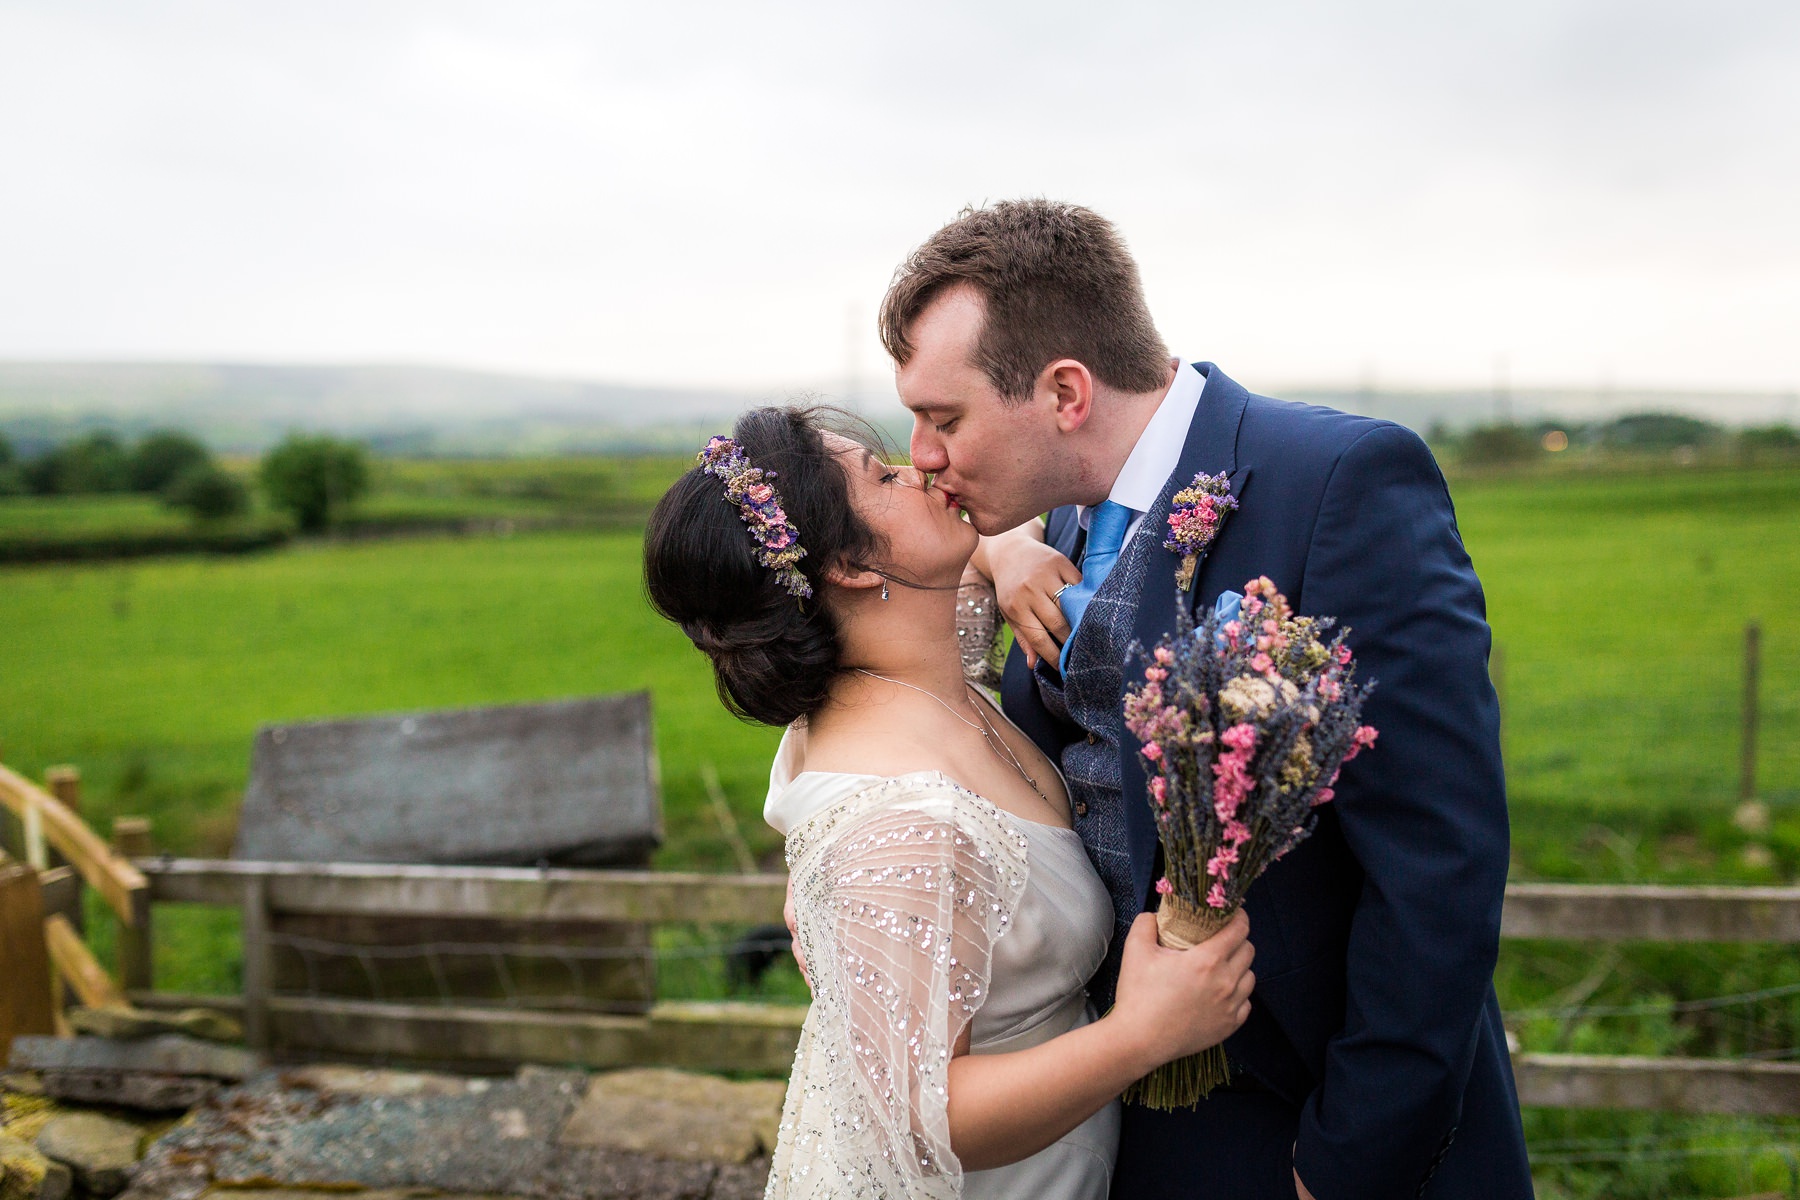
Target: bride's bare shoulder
x=850, y=751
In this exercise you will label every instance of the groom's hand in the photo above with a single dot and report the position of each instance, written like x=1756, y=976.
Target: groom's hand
x=1027, y=574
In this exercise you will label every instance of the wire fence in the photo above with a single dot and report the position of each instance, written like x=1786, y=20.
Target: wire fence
x=1706, y=721
x=685, y=962
x=710, y=962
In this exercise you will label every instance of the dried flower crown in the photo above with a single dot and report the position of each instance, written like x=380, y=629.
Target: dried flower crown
x=749, y=488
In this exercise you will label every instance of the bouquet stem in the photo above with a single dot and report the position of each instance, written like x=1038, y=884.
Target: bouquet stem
x=1186, y=1081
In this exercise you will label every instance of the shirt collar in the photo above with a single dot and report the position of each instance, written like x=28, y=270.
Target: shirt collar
x=1158, y=450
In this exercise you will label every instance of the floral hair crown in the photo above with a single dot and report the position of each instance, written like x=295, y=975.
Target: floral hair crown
x=758, y=504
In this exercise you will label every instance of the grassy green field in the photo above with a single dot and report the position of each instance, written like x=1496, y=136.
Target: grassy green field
x=1619, y=606
x=1618, y=602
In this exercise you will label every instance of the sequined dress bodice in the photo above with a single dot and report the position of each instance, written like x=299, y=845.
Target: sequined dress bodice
x=1054, y=936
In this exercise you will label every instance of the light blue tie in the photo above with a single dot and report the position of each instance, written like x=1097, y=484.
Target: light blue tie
x=1106, y=534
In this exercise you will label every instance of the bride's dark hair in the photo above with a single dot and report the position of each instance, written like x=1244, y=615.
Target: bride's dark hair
x=774, y=657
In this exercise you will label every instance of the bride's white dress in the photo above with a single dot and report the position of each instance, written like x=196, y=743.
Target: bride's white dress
x=922, y=907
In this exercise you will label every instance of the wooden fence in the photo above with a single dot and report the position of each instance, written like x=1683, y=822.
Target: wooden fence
x=760, y=1037
x=716, y=1036
x=44, y=914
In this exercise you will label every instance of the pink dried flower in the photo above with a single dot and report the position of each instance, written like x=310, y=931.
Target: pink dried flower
x=1363, y=738
x=1215, y=701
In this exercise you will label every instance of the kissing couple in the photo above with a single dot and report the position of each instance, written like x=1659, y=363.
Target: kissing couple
x=973, y=882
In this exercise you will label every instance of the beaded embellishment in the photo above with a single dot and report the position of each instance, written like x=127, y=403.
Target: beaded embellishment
x=901, y=890
x=749, y=488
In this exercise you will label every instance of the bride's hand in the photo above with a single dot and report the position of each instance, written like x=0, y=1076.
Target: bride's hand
x=1027, y=575
x=1173, y=1003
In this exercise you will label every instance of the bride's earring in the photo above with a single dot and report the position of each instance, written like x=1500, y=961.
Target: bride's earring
x=884, y=589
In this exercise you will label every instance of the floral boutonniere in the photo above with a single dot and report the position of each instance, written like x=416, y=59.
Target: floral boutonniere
x=1199, y=509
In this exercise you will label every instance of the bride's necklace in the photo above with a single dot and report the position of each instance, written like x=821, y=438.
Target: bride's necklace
x=997, y=744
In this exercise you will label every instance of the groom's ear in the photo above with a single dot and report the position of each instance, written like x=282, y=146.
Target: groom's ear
x=1068, y=387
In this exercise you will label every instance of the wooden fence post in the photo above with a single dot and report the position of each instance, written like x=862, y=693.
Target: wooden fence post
x=64, y=783
x=131, y=838
x=1752, y=671
x=258, y=967
x=25, y=1000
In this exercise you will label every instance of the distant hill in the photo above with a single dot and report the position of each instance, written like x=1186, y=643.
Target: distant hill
x=1458, y=409
x=410, y=410
x=400, y=409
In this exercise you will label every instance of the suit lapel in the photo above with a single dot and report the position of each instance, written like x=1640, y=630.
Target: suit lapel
x=1211, y=447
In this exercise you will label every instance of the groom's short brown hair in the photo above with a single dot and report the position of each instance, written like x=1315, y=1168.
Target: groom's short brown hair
x=1056, y=281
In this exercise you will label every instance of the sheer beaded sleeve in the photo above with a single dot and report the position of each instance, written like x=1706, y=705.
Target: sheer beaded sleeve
x=978, y=627
x=900, y=892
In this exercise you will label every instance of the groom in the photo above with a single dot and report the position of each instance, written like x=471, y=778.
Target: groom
x=1374, y=1063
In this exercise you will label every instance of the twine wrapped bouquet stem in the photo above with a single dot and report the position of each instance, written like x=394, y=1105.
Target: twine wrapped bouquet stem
x=1181, y=926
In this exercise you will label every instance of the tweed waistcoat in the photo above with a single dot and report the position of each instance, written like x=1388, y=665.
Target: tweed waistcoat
x=1089, y=696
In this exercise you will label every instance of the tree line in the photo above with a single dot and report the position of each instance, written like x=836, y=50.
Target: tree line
x=1507, y=442
x=312, y=478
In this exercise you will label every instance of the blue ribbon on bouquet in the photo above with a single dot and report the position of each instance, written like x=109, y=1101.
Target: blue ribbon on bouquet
x=1228, y=607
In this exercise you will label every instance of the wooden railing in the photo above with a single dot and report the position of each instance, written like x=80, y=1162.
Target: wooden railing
x=730, y=1036
x=720, y=1036
x=1627, y=913
x=761, y=1037
x=63, y=855
x=50, y=823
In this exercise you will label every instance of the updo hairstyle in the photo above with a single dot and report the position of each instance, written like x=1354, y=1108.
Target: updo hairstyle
x=774, y=656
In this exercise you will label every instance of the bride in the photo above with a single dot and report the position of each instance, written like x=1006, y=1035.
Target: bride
x=945, y=911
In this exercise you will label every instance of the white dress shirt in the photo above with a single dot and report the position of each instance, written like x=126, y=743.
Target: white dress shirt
x=1158, y=450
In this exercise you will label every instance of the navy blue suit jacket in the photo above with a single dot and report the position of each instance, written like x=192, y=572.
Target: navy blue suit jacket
x=1374, y=1012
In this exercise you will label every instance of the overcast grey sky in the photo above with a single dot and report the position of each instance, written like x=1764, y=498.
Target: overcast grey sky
x=717, y=193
